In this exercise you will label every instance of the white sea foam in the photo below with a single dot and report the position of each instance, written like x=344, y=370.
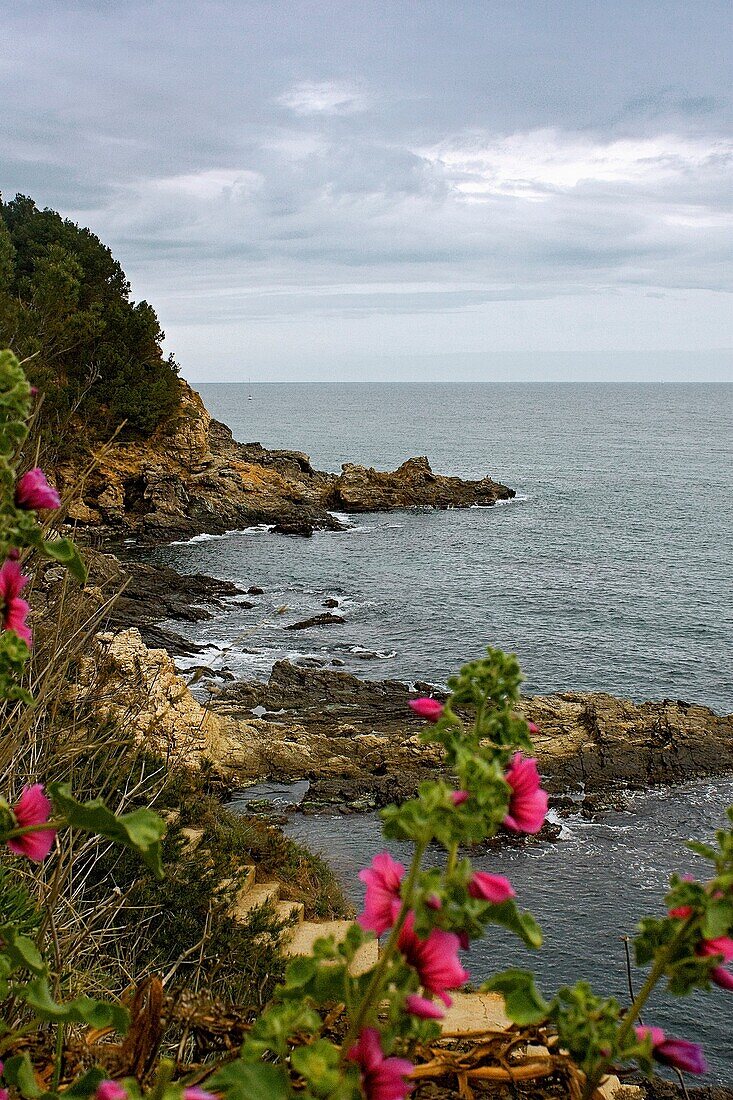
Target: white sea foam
x=197, y=538
x=376, y=653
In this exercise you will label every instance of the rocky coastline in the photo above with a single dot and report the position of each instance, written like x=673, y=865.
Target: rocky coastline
x=355, y=741
x=191, y=478
x=358, y=743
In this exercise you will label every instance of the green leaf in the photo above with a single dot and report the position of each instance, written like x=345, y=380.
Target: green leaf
x=18, y=1072
x=65, y=551
x=245, y=1081
x=318, y=1063
x=21, y=951
x=82, y=1010
x=718, y=920
x=701, y=849
x=524, y=1002
x=87, y=1084
x=522, y=924
x=141, y=830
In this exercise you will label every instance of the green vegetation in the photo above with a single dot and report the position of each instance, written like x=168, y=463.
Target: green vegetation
x=65, y=308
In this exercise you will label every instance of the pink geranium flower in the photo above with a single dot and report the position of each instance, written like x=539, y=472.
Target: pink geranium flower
x=381, y=1078
x=493, y=888
x=435, y=959
x=528, y=802
x=14, y=609
x=723, y=946
x=459, y=797
x=429, y=709
x=33, y=491
x=110, y=1090
x=680, y=1053
x=533, y=728
x=382, y=901
x=33, y=808
x=421, y=1006
x=196, y=1093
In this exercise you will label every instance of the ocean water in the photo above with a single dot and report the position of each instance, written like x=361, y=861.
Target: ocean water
x=612, y=570
x=587, y=891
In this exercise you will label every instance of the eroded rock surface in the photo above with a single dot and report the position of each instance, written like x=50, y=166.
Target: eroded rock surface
x=358, y=742
x=191, y=477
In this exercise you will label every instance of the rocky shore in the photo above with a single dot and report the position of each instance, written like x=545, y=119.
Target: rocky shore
x=355, y=741
x=191, y=477
x=358, y=744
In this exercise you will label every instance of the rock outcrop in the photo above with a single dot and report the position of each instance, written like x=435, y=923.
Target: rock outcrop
x=359, y=489
x=358, y=742
x=123, y=680
x=190, y=477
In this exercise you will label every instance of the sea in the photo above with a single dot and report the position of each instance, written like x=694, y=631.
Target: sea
x=611, y=569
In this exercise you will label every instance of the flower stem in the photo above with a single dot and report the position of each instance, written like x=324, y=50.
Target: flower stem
x=374, y=989
x=657, y=971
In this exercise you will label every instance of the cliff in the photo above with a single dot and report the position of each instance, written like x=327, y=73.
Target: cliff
x=191, y=477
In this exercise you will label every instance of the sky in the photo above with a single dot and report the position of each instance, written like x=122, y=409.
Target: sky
x=395, y=190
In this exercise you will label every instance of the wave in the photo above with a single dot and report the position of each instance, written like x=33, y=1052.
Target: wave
x=197, y=538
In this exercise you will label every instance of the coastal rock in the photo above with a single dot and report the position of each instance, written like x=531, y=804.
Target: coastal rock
x=294, y=525
x=124, y=681
x=358, y=741
x=324, y=619
x=362, y=489
x=191, y=477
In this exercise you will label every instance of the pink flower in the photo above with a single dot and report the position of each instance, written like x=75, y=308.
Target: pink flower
x=196, y=1093
x=459, y=797
x=680, y=1053
x=110, y=1090
x=14, y=609
x=421, y=1006
x=381, y=1078
x=681, y=912
x=433, y=902
x=429, y=709
x=382, y=902
x=493, y=888
x=533, y=728
x=435, y=959
x=33, y=491
x=528, y=802
x=723, y=945
x=33, y=808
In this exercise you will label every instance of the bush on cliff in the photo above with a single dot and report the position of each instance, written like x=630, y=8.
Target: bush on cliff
x=65, y=307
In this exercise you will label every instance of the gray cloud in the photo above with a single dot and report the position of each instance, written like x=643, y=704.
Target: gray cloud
x=365, y=167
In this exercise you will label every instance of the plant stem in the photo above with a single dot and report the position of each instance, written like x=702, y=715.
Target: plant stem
x=657, y=971
x=58, y=1057
x=452, y=858
x=374, y=989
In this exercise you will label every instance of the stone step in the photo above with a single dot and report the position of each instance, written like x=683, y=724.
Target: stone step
x=474, y=1012
x=304, y=935
x=252, y=896
x=291, y=911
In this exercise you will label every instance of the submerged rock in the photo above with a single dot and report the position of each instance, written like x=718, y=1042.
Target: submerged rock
x=324, y=619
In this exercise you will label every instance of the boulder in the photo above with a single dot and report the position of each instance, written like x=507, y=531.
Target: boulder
x=326, y=618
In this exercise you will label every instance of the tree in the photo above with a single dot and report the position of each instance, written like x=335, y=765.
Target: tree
x=65, y=307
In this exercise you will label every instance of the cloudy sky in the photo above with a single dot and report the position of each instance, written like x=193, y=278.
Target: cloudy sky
x=407, y=189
